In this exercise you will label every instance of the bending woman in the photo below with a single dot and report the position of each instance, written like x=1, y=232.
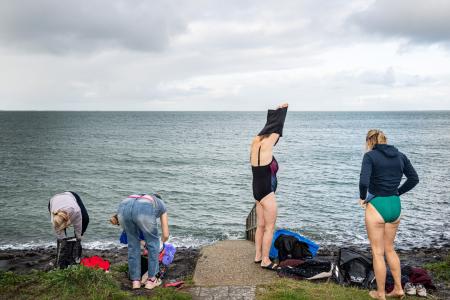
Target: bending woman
x=139, y=213
x=264, y=169
x=65, y=209
x=382, y=169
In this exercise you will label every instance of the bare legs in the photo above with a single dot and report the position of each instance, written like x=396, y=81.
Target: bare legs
x=393, y=261
x=381, y=237
x=259, y=231
x=375, y=231
x=266, y=214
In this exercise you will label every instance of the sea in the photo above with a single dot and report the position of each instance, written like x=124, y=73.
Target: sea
x=199, y=163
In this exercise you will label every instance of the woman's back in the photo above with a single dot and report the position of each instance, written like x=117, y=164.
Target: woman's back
x=261, y=152
x=382, y=171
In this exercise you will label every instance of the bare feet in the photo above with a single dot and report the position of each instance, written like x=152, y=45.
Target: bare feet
x=375, y=295
x=396, y=294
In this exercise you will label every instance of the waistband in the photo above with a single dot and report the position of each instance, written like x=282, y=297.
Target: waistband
x=147, y=197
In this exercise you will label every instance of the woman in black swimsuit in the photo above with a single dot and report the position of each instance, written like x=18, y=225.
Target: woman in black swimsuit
x=264, y=169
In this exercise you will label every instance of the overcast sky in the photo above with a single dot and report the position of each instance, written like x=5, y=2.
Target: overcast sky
x=224, y=55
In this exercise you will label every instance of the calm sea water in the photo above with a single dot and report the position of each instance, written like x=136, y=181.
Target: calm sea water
x=198, y=162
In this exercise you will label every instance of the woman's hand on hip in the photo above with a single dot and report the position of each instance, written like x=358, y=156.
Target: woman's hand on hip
x=362, y=203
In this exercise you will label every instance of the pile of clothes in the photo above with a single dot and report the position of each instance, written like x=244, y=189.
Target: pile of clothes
x=296, y=255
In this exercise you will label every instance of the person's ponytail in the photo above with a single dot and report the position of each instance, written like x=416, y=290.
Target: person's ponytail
x=375, y=137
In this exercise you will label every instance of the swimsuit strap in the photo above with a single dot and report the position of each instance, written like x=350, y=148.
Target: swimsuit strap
x=259, y=150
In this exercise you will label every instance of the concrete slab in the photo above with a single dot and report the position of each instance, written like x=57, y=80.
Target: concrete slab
x=230, y=263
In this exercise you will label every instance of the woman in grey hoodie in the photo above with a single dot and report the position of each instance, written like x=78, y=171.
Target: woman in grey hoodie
x=67, y=209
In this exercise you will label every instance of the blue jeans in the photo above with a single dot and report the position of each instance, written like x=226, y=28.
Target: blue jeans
x=135, y=214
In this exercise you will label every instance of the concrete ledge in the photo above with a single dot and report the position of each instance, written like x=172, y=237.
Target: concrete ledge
x=230, y=263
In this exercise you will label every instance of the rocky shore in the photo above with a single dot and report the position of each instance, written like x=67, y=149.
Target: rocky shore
x=23, y=261
x=182, y=268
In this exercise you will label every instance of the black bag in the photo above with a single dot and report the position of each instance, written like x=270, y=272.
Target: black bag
x=68, y=252
x=310, y=269
x=354, y=268
x=289, y=247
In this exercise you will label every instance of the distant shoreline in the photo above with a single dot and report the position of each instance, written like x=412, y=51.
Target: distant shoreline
x=236, y=111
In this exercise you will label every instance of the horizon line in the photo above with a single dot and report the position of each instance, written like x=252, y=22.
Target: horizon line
x=50, y=110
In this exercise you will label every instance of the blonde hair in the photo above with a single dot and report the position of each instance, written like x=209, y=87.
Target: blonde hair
x=375, y=137
x=60, y=220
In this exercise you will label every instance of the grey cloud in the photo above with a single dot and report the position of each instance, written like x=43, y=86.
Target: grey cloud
x=386, y=78
x=74, y=26
x=420, y=21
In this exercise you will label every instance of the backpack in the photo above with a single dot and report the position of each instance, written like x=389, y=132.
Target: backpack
x=68, y=252
x=312, y=247
x=289, y=247
x=354, y=268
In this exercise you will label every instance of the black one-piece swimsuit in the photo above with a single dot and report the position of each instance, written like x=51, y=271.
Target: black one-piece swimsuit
x=264, y=178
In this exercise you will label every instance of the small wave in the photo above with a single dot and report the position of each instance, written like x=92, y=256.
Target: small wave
x=188, y=242
x=28, y=246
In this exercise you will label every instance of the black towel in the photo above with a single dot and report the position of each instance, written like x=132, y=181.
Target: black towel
x=275, y=121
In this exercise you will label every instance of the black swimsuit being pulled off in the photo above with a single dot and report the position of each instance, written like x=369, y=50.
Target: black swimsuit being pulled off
x=264, y=177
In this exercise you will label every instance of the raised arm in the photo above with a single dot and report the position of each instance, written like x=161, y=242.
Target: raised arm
x=273, y=138
x=164, y=227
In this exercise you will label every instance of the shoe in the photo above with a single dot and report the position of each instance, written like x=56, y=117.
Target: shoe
x=152, y=284
x=136, y=285
x=410, y=289
x=421, y=290
x=144, y=278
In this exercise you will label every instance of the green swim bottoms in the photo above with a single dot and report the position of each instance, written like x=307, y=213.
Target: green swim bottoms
x=388, y=207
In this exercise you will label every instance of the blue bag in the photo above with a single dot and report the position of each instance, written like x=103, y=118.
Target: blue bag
x=313, y=247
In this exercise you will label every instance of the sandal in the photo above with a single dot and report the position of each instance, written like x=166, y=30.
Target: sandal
x=258, y=261
x=271, y=266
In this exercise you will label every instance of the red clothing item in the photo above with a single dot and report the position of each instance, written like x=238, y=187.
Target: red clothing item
x=95, y=262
